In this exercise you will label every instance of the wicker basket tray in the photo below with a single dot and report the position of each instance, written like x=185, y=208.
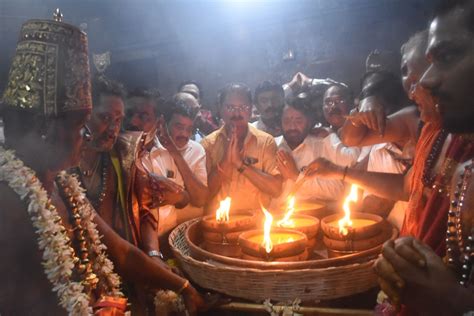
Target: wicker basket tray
x=277, y=284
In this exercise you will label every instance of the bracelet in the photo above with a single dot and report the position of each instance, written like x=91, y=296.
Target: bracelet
x=156, y=253
x=345, y=173
x=185, y=285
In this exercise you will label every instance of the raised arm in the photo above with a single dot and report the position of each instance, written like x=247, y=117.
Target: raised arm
x=198, y=191
x=387, y=185
x=369, y=126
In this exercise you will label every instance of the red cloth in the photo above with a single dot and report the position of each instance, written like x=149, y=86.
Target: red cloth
x=417, y=202
x=426, y=216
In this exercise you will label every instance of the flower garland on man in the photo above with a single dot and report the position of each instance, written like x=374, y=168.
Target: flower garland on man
x=46, y=104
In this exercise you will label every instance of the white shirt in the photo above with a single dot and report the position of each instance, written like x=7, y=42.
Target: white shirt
x=259, y=124
x=161, y=162
x=313, y=147
x=381, y=159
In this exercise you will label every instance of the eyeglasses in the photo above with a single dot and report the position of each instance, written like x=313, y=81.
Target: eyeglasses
x=333, y=103
x=237, y=108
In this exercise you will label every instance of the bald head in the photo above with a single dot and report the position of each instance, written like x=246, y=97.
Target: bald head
x=187, y=98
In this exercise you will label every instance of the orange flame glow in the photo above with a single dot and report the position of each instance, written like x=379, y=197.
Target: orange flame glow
x=346, y=221
x=222, y=213
x=267, y=226
x=286, y=221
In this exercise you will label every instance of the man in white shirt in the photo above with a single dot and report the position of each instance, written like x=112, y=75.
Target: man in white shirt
x=298, y=148
x=269, y=100
x=179, y=165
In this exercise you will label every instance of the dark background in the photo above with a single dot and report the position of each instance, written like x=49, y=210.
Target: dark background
x=158, y=44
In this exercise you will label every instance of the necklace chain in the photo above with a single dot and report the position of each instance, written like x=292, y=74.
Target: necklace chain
x=427, y=178
x=97, y=202
x=460, y=252
x=83, y=264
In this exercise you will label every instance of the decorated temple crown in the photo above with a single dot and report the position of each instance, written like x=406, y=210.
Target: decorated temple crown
x=50, y=70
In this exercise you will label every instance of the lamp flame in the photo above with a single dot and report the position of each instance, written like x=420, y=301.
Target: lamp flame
x=267, y=226
x=286, y=221
x=346, y=221
x=222, y=213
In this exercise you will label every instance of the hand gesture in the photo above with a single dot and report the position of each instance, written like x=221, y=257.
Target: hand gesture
x=193, y=300
x=168, y=191
x=325, y=169
x=299, y=82
x=371, y=114
x=235, y=150
x=164, y=136
x=232, y=156
x=418, y=274
x=144, y=189
x=286, y=165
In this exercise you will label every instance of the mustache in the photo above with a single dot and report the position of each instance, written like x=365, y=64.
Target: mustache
x=236, y=118
x=335, y=112
x=292, y=131
x=271, y=110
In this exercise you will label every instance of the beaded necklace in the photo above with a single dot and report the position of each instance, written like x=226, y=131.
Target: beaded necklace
x=428, y=178
x=103, y=160
x=459, y=252
x=82, y=245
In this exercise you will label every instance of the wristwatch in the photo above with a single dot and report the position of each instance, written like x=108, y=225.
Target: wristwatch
x=156, y=253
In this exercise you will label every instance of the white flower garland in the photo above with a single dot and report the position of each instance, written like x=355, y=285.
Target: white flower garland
x=58, y=256
x=168, y=302
x=102, y=264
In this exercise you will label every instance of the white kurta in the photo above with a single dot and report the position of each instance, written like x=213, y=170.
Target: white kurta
x=313, y=147
x=381, y=159
x=161, y=162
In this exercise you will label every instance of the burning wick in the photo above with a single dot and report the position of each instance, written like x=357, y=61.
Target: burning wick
x=267, y=226
x=222, y=213
x=286, y=221
x=346, y=221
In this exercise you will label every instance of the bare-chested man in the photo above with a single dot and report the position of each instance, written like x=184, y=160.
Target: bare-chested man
x=45, y=107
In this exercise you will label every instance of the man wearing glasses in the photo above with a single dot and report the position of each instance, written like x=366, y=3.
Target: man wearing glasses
x=241, y=160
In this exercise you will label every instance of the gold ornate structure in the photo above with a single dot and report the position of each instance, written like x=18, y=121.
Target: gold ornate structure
x=50, y=70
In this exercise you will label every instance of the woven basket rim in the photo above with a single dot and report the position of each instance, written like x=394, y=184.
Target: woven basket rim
x=278, y=284
x=225, y=266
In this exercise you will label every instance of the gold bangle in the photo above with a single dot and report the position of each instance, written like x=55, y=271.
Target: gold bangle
x=185, y=285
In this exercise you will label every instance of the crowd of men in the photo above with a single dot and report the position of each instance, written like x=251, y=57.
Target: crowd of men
x=148, y=164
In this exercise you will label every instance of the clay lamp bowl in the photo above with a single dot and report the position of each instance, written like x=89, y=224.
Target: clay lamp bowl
x=229, y=231
x=348, y=246
x=306, y=224
x=222, y=237
x=364, y=226
x=288, y=245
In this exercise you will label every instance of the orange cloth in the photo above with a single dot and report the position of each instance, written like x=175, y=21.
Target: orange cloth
x=427, y=211
x=417, y=202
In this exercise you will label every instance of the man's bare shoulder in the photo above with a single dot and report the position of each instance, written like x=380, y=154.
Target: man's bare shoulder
x=409, y=115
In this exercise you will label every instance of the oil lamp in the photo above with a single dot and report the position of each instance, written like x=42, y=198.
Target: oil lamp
x=352, y=232
x=273, y=244
x=221, y=231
